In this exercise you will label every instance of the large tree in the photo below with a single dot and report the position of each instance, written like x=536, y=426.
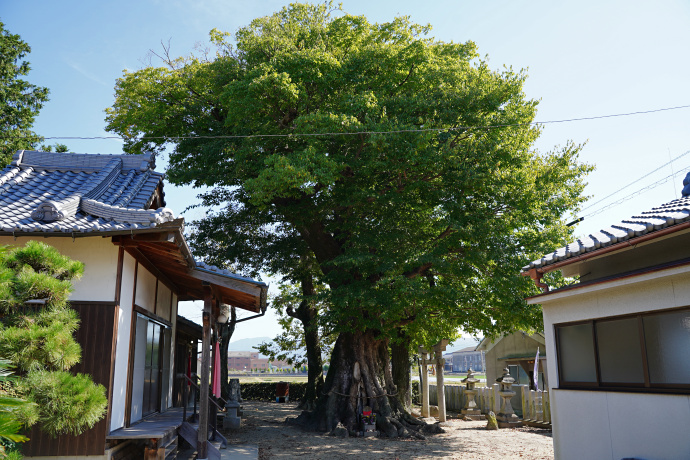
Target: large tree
x=403, y=164
x=20, y=101
x=36, y=337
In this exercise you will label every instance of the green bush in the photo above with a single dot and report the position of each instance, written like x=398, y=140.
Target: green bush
x=416, y=398
x=266, y=391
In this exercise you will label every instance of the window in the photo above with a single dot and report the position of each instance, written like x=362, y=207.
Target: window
x=644, y=352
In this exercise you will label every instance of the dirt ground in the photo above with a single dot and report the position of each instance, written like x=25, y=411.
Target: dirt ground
x=264, y=425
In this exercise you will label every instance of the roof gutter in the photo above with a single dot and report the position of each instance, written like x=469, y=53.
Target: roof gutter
x=537, y=273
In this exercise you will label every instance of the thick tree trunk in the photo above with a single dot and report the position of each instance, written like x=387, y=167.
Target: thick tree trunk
x=400, y=360
x=360, y=375
x=226, y=331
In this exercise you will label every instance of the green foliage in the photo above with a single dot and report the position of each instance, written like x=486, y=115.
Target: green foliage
x=421, y=205
x=69, y=403
x=290, y=345
x=42, y=341
x=59, y=148
x=21, y=101
x=10, y=409
x=38, y=341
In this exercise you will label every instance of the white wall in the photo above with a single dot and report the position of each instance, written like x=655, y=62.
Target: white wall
x=99, y=256
x=163, y=302
x=615, y=425
x=146, y=289
x=117, y=417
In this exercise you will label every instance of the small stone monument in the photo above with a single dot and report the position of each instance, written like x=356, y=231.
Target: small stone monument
x=233, y=415
x=471, y=410
x=506, y=416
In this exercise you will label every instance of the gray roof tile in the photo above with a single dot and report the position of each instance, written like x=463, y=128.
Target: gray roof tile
x=67, y=192
x=668, y=214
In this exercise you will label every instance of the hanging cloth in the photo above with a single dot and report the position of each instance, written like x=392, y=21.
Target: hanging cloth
x=189, y=369
x=216, y=372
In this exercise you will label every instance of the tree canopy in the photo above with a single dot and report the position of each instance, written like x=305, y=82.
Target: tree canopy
x=403, y=165
x=20, y=101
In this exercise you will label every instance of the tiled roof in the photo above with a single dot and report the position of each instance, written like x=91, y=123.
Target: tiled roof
x=666, y=215
x=79, y=193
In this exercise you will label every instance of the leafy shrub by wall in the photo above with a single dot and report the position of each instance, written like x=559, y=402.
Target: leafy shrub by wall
x=416, y=399
x=266, y=391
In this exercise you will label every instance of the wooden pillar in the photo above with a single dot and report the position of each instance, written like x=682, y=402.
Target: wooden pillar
x=440, y=389
x=424, y=382
x=439, y=348
x=202, y=435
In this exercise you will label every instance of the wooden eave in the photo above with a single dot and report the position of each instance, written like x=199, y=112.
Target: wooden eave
x=166, y=255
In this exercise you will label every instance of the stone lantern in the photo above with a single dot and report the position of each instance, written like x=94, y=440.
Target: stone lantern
x=506, y=416
x=470, y=410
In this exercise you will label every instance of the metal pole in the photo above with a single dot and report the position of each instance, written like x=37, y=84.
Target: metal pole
x=202, y=435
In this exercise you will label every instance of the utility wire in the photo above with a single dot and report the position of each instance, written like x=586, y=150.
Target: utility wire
x=636, y=181
x=633, y=194
x=357, y=133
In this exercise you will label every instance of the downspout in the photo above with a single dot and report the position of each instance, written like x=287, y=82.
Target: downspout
x=262, y=304
x=536, y=277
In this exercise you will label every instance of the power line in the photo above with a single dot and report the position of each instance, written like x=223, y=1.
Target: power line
x=633, y=194
x=636, y=181
x=358, y=133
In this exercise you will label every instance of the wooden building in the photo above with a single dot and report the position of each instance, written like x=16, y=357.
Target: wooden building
x=618, y=338
x=108, y=211
x=517, y=352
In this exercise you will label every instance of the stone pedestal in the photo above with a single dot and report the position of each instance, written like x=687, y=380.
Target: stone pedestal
x=471, y=410
x=233, y=415
x=506, y=417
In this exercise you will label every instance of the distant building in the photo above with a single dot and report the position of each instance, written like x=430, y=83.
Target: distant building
x=249, y=360
x=242, y=360
x=462, y=360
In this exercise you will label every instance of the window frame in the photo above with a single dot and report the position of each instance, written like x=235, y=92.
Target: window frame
x=646, y=387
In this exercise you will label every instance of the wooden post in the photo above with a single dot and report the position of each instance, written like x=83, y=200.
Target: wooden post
x=202, y=435
x=440, y=389
x=439, y=348
x=424, y=383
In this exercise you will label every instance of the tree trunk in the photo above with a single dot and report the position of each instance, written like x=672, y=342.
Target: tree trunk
x=314, y=365
x=360, y=375
x=307, y=314
x=400, y=354
x=226, y=331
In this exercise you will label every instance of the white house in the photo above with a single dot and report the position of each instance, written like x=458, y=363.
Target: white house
x=618, y=340
x=108, y=212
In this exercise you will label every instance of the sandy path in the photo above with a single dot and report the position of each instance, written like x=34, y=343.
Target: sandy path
x=264, y=425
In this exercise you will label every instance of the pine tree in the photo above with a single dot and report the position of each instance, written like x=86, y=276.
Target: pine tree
x=36, y=337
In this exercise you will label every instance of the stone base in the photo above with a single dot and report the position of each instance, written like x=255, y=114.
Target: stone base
x=508, y=421
x=515, y=424
x=371, y=434
x=472, y=414
x=233, y=416
x=231, y=423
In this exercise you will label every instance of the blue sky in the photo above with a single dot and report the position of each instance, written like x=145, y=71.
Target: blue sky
x=584, y=58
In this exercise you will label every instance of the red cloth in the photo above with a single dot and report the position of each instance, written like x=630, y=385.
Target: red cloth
x=216, y=372
x=189, y=370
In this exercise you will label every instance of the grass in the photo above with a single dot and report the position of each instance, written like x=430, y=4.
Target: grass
x=274, y=378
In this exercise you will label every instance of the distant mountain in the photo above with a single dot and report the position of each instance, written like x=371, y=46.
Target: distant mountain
x=248, y=344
